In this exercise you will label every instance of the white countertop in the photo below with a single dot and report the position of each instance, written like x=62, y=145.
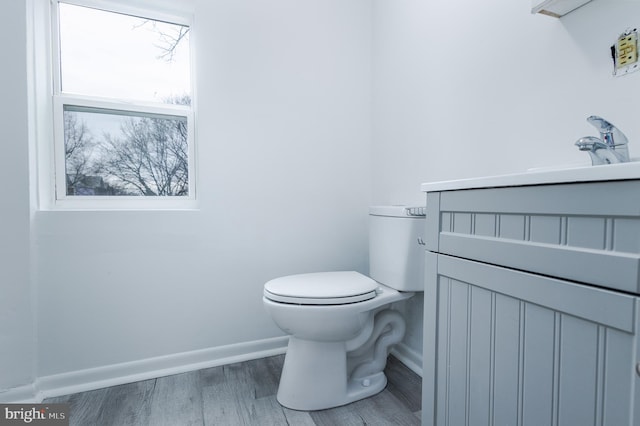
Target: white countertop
x=622, y=171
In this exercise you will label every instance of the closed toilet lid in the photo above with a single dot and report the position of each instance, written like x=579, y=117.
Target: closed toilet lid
x=322, y=288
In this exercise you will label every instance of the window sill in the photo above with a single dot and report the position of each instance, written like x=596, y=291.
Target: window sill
x=121, y=204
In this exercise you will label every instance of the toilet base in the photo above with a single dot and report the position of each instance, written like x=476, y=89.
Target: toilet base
x=314, y=377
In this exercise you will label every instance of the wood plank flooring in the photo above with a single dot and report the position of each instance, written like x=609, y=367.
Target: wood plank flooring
x=238, y=394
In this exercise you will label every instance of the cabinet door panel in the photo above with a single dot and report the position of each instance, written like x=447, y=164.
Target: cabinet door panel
x=540, y=342
x=578, y=367
x=618, y=383
x=505, y=351
x=480, y=343
x=503, y=358
x=456, y=330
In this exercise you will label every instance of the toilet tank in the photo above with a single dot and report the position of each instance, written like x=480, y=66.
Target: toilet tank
x=396, y=246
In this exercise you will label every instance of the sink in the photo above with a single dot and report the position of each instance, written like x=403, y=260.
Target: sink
x=577, y=172
x=574, y=165
x=560, y=166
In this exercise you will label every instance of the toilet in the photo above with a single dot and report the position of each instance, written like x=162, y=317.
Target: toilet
x=341, y=325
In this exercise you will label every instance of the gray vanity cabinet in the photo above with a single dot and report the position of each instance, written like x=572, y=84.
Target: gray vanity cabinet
x=532, y=307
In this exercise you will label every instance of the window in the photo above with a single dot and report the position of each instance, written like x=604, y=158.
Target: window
x=122, y=106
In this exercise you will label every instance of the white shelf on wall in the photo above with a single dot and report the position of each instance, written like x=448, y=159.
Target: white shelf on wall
x=556, y=8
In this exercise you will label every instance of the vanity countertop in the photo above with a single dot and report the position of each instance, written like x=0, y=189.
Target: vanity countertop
x=623, y=171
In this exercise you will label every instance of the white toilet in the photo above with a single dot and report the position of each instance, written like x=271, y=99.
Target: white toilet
x=340, y=324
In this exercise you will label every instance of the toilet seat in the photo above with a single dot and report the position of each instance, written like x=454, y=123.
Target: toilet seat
x=323, y=288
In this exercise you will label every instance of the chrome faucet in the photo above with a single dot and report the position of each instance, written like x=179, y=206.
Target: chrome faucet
x=610, y=147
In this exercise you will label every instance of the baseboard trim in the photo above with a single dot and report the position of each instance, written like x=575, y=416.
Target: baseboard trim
x=128, y=372
x=409, y=357
x=19, y=394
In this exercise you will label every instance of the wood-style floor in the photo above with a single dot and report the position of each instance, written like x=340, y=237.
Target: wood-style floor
x=238, y=394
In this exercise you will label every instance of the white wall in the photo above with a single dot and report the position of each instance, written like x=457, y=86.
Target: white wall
x=464, y=89
x=481, y=88
x=283, y=133
x=17, y=331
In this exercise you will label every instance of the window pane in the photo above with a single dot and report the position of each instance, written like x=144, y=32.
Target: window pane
x=121, y=56
x=122, y=153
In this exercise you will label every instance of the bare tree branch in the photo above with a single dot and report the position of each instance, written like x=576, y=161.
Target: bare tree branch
x=169, y=37
x=150, y=158
x=78, y=147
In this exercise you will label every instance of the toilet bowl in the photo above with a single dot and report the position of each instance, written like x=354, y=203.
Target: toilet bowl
x=340, y=324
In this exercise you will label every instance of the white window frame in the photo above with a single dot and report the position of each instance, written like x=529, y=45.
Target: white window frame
x=54, y=194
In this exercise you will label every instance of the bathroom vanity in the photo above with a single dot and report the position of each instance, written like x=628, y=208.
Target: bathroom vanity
x=532, y=299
